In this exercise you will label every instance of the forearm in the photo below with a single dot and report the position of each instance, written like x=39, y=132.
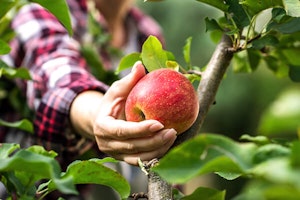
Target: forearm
x=83, y=112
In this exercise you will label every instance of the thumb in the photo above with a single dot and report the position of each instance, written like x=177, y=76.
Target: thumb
x=123, y=86
x=137, y=72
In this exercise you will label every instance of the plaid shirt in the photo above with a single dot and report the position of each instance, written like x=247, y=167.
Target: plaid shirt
x=58, y=70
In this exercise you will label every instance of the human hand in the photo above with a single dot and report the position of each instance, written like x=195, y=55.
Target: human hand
x=125, y=140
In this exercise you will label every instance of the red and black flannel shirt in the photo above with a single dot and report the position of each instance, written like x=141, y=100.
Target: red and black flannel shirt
x=58, y=70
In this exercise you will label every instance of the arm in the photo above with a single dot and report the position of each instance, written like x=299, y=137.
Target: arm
x=59, y=73
x=63, y=90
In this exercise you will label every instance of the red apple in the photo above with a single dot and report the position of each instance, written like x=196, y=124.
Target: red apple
x=164, y=95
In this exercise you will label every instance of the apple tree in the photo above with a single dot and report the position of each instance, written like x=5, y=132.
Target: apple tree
x=271, y=165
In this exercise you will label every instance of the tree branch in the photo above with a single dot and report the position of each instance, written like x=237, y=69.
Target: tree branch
x=209, y=84
x=158, y=189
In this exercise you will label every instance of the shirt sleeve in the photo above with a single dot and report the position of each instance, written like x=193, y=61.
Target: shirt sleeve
x=59, y=73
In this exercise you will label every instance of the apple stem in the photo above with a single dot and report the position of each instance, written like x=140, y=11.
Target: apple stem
x=143, y=116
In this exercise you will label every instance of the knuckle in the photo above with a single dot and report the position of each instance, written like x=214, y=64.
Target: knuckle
x=115, y=85
x=119, y=132
x=130, y=147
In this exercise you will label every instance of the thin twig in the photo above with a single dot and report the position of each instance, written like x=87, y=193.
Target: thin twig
x=140, y=195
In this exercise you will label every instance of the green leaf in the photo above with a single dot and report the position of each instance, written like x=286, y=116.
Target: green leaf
x=30, y=162
x=282, y=116
x=224, y=167
x=255, y=7
x=60, y=9
x=10, y=72
x=42, y=151
x=64, y=184
x=177, y=194
x=6, y=149
x=254, y=58
x=194, y=79
x=128, y=61
x=104, y=160
x=270, y=151
x=153, y=55
x=4, y=47
x=14, y=183
x=29, y=167
x=292, y=56
x=21, y=72
x=288, y=26
x=278, y=171
x=172, y=65
x=216, y=36
x=91, y=56
x=94, y=28
x=295, y=159
x=219, y=4
x=206, y=193
x=278, y=14
x=259, y=189
x=170, y=55
x=187, y=51
x=7, y=34
x=6, y=5
x=240, y=62
x=260, y=139
x=292, y=7
x=282, y=191
x=268, y=40
x=23, y=124
x=277, y=65
x=294, y=73
x=93, y=172
x=239, y=15
x=212, y=25
x=206, y=153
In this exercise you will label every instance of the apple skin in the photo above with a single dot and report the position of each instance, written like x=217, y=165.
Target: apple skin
x=164, y=95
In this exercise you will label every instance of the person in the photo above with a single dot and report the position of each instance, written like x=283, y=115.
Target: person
x=74, y=111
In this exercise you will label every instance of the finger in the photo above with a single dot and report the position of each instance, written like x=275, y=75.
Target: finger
x=109, y=127
x=145, y=144
x=122, y=87
x=146, y=156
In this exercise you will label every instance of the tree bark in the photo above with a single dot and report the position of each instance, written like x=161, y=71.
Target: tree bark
x=211, y=78
x=157, y=188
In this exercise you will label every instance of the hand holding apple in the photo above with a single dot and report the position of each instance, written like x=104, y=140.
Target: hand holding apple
x=164, y=95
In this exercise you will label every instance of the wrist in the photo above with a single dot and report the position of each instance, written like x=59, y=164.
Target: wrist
x=83, y=112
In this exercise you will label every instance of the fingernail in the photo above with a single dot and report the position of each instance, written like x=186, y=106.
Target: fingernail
x=156, y=127
x=169, y=135
x=135, y=65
